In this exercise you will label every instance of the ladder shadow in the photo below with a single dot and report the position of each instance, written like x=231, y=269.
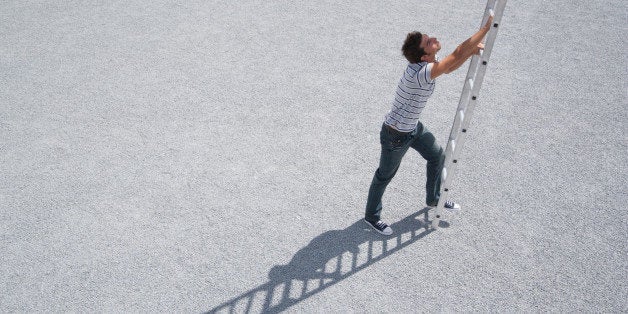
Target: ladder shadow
x=328, y=259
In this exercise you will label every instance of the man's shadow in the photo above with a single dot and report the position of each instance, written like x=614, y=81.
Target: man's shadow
x=325, y=261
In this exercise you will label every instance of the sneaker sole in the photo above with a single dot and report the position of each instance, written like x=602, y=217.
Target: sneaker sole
x=452, y=209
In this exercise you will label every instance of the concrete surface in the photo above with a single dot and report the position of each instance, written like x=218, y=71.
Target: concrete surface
x=215, y=156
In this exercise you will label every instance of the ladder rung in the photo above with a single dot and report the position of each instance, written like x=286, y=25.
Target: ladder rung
x=459, y=121
x=451, y=149
x=457, y=127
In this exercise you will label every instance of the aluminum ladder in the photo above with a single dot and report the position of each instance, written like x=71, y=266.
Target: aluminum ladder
x=466, y=105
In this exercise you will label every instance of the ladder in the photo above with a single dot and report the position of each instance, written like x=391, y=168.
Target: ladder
x=466, y=105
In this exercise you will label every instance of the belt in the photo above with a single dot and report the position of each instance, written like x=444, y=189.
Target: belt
x=393, y=131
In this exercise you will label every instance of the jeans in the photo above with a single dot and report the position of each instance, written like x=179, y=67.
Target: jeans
x=394, y=147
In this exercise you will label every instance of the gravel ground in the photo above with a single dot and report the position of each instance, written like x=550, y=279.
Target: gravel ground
x=208, y=156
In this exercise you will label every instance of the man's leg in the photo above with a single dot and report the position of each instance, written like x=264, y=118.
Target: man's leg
x=394, y=146
x=425, y=143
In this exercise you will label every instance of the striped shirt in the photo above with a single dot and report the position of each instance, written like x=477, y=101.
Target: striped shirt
x=413, y=91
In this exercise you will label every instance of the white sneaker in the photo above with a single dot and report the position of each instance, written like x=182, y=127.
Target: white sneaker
x=452, y=206
x=449, y=205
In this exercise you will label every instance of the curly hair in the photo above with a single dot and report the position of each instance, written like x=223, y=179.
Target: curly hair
x=411, y=47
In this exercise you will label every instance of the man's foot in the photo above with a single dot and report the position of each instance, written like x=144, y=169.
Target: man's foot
x=380, y=227
x=452, y=205
x=449, y=205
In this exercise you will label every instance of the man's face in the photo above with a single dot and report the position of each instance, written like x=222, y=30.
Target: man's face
x=430, y=45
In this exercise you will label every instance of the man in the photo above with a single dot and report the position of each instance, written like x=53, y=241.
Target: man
x=402, y=128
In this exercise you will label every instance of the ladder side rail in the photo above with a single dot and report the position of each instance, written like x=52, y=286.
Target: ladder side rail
x=468, y=101
x=483, y=58
x=471, y=72
x=492, y=7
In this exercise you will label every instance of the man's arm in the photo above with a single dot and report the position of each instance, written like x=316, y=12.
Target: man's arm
x=460, y=62
x=462, y=52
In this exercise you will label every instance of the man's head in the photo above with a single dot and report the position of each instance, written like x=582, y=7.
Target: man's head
x=420, y=47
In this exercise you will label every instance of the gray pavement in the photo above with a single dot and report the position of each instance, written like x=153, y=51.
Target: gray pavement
x=214, y=156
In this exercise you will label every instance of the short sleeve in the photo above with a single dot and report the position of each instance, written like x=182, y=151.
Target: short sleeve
x=425, y=74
